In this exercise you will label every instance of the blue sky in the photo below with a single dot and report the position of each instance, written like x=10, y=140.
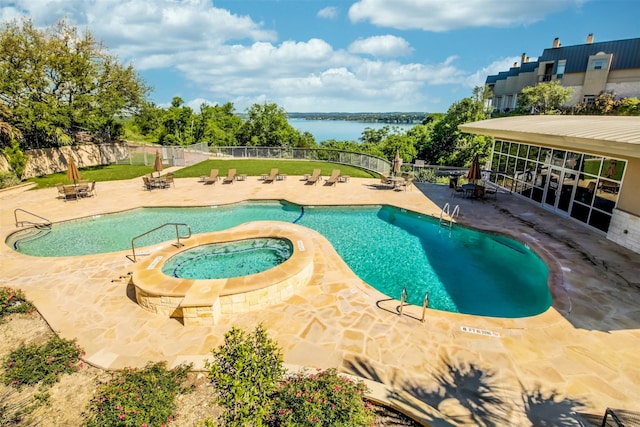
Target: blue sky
x=329, y=55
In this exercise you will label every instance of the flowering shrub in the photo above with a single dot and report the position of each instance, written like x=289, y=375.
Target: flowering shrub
x=138, y=397
x=13, y=301
x=245, y=371
x=324, y=399
x=32, y=364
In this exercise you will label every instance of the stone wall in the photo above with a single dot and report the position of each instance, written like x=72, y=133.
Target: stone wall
x=46, y=161
x=625, y=230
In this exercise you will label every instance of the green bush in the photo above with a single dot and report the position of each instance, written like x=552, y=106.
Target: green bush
x=138, y=397
x=8, y=179
x=425, y=175
x=324, y=399
x=44, y=364
x=245, y=371
x=13, y=301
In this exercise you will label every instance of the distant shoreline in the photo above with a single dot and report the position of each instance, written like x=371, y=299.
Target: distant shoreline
x=391, y=117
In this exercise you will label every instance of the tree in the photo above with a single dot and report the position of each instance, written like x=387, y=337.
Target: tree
x=450, y=146
x=544, y=98
x=267, y=126
x=57, y=81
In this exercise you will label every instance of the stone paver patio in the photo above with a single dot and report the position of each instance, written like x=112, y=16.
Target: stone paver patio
x=583, y=354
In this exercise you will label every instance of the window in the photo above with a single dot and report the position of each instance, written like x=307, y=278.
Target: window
x=561, y=66
x=598, y=64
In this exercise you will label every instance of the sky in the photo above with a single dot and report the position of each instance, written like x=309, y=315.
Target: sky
x=329, y=55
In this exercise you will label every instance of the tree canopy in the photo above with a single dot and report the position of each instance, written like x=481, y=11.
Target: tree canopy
x=544, y=98
x=58, y=81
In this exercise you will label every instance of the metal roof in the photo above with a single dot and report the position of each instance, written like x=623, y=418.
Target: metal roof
x=605, y=134
x=626, y=55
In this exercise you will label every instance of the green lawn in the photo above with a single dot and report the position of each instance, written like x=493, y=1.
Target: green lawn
x=248, y=167
x=254, y=167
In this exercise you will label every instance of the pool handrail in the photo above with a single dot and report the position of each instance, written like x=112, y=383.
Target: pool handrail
x=178, y=237
x=46, y=222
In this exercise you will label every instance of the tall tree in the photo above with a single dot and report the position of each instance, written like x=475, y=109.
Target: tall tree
x=267, y=126
x=544, y=98
x=58, y=81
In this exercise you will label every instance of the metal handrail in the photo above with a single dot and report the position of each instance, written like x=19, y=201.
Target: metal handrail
x=445, y=210
x=178, y=237
x=403, y=299
x=19, y=223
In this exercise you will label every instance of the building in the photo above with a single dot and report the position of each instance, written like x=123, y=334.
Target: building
x=589, y=69
x=581, y=167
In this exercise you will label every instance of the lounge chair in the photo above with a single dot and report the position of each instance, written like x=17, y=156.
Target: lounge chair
x=213, y=177
x=333, y=179
x=231, y=176
x=314, y=177
x=272, y=176
x=147, y=183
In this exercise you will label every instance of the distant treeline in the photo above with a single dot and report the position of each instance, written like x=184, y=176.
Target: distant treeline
x=397, y=118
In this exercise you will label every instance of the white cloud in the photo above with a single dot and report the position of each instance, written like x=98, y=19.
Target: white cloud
x=438, y=15
x=330, y=12
x=387, y=46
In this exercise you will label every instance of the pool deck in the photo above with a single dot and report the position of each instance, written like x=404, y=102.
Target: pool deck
x=582, y=355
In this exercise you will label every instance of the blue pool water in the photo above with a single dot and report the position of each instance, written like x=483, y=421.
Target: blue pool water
x=462, y=270
x=231, y=259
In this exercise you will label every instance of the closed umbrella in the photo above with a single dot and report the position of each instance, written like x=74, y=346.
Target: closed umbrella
x=72, y=172
x=397, y=163
x=474, y=173
x=157, y=166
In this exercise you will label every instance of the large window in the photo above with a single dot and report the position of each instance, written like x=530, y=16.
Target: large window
x=581, y=185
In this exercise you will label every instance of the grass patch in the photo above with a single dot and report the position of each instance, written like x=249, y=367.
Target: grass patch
x=250, y=167
x=95, y=173
x=253, y=167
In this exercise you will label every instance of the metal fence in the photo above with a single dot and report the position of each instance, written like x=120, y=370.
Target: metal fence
x=171, y=155
x=192, y=154
x=361, y=160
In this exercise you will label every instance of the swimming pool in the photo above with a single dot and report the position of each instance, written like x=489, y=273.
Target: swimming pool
x=462, y=270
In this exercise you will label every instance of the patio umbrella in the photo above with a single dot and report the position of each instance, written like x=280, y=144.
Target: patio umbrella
x=72, y=172
x=397, y=163
x=611, y=170
x=157, y=166
x=474, y=173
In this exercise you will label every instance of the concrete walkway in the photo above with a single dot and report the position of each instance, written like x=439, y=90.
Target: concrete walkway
x=582, y=355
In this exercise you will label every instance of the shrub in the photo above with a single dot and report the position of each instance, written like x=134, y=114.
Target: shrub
x=138, y=397
x=8, y=179
x=324, y=399
x=44, y=364
x=13, y=301
x=425, y=175
x=245, y=371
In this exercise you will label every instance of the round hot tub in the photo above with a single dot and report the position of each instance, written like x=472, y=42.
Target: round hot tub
x=230, y=259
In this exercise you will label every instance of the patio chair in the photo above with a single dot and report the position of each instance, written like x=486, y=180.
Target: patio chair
x=70, y=192
x=314, y=177
x=88, y=191
x=457, y=190
x=60, y=188
x=272, y=176
x=169, y=180
x=385, y=181
x=146, y=182
x=333, y=179
x=231, y=176
x=213, y=177
x=406, y=184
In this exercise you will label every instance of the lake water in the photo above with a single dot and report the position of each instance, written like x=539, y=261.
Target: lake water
x=340, y=130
